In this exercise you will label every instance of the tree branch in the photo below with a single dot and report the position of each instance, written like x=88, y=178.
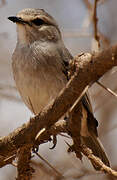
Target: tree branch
x=87, y=152
x=95, y=21
x=89, y=68
x=24, y=169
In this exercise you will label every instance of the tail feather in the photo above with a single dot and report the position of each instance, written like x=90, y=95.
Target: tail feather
x=89, y=134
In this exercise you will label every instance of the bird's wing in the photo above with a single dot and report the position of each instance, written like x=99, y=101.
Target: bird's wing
x=91, y=139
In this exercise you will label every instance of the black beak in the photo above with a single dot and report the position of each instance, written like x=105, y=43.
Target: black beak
x=16, y=19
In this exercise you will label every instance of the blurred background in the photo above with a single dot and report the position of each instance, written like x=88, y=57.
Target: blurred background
x=74, y=19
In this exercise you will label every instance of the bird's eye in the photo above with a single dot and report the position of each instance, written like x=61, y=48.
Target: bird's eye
x=38, y=22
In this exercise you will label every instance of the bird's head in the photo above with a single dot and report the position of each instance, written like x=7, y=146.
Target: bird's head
x=35, y=25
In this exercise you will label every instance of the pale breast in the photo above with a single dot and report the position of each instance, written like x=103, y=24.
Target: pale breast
x=37, y=83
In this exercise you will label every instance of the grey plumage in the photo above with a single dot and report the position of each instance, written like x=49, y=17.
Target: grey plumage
x=40, y=65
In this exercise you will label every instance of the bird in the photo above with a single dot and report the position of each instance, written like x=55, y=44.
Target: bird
x=40, y=64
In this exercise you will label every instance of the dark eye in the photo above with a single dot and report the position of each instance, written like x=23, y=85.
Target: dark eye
x=38, y=22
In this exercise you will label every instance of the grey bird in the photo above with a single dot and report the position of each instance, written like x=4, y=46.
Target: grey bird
x=40, y=65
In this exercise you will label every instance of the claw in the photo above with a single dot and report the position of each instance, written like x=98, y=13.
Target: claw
x=35, y=148
x=54, y=142
x=70, y=149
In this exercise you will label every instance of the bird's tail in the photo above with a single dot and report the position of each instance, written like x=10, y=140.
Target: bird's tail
x=89, y=134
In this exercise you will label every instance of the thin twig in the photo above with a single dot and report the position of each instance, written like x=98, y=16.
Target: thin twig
x=107, y=89
x=93, y=15
x=88, y=5
x=95, y=21
x=64, y=135
x=80, y=97
x=88, y=152
x=55, y=171
x=4, y=161
x=44, y=168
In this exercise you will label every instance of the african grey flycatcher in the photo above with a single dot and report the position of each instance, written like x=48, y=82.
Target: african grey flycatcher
x=40, y=63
